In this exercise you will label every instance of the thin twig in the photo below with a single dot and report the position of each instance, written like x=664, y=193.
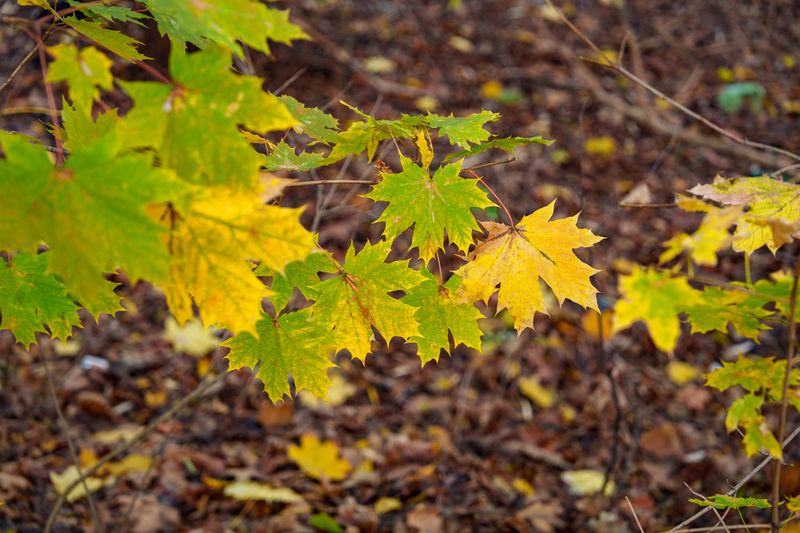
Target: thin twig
x=649, y=205
x=125, y=446
x=633, y=512
x=72, y=451
x=776, y=478
x=738, y=486
x=18, y=68
x=720, y=520
x=499, y=200
x=327, y=182
x=784, y=169
x=716, y=528
x=619, y=69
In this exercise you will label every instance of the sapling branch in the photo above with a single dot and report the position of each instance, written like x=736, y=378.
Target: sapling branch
x=790, y=349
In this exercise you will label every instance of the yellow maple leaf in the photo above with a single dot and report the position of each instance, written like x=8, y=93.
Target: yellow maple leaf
x=319, y=460
x=518, y=257
x=710, y=237
x=212, y=248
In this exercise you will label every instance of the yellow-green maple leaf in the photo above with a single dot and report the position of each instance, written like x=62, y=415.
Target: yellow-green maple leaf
x=290, y=345
x=212, y=246
x=194, y=124
x=657, y=299
x=773, y=209
x=84, y=70
x=434, y=205
x=712, y=236
x=92, y=213
x=517, y=257
x=357, y=299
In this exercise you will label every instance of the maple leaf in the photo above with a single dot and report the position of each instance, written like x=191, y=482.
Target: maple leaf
x=463, y=131
x=753, y=374
x=312, y=121
x=717, y=307
x=517, y=257
x=771, y=204
x=745, y=412
x=283, y=157
x=31, y=299
x=432, y=204
x=291, y=344
x=301, y=275
x=357, y=299
x=507, y=144
x=657, y=299
x=223, y=22
x=212, y=244
x=92, y=213
x=712, y=235
x=112, y=40
x=110, y=13
x=194, y=125
x=319, y=460
x=84, y=70
x=253, y=490
x=81, y=130
x=365, y=135
x=439, y=312
x=723, y=501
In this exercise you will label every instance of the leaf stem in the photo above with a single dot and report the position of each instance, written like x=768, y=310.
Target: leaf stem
x=48, y=89
x=499, y=201
x=790, y=349
x=747, y=276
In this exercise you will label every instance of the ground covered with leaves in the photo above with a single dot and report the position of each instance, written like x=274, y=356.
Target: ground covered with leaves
x=548, y=431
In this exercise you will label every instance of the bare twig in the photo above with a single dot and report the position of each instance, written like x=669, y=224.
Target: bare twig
x=736, y=487
x=716, y=528
x=720, y=520
x=18, y=68
x=790, y=349
x=620, y=69
x=633, y=512
x=72, y=451
x=125, y=446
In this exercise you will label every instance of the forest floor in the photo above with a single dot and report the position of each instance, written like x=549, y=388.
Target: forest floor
x=460, y=445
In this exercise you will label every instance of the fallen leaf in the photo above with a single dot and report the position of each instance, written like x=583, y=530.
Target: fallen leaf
x=319, y=460
x=387, y=505
x=191, y=338
x=425, y=519
x=604, y=146
x=253, y=490
x=544, y=516
x=541, y=396
x=681, y=373
x=586, y=482
x=64, y=479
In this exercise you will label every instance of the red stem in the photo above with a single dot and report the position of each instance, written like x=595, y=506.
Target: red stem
x=499, y=201
x=48, y=89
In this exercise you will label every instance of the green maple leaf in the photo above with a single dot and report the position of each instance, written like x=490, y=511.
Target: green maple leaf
x=31, y=299
x=312, y=121
x=301, y=275
x=194, y=124
x=718, y=307
x=91, y=213
x=289, y=345
x=657, y=299
x=224, y=22
x=507, y=144
x=283, y=157
x=114, y=41
x=81, y=130
x=439, y=312
x=110, y=13
x=463, y=131
x=366, y=134
x=432, y=204
x=753, y=374
x=357, y=299
x=723, y=501
x=84, y=71
x=745, y=412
